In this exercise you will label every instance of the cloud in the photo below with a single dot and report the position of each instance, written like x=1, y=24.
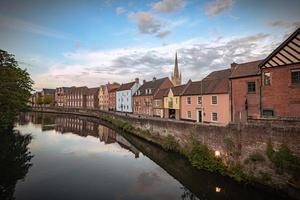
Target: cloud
x=163, y=34
x=197, y=57
x=285, y=24
x=217, y=6
x=22, y=25
x=120, y=10
x=146, y=22
x=168, y=6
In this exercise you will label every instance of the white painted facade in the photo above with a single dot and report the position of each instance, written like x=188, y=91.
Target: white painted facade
x=124, y=99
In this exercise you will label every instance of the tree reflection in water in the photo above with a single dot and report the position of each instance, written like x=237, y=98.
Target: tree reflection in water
x=14, y=161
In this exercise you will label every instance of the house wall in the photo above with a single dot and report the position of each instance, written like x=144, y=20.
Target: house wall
x=112, y=101
x=143, y=105
x=158, y=108
x=101, y=98
x=281, y=96
x=222, y=108
x=239, y=90
x=193, y=107
x=124, y=101
x=105, y=99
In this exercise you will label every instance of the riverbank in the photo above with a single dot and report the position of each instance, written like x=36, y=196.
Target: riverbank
x=238, y=151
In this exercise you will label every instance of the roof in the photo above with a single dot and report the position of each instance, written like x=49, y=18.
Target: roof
x=49, y=91
x=286, y=53
x=77, y=89
x=126, y=86
x=178, y=90
x=93, y=90
x=161, y=93
x=245, y=69
x=112, y=86
x=215, y=83
x=153, y=85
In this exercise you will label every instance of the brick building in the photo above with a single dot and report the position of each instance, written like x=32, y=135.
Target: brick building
x=76, y=97
x=158, y=103
x=101, y=97
x=92, y=100
x=143, y=97
x=112, y=99
x=60, y=96
x=280, y=74
x=245, y=82
x=108, y=88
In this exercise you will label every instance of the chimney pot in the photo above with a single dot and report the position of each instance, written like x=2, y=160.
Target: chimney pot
x=137, y=80
x=154, y=78
x=144, y=81
x=233, y=65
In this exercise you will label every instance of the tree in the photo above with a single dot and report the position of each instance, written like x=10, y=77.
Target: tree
x=15, y=89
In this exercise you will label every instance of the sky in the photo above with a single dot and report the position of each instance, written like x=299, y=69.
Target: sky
x=76, y=43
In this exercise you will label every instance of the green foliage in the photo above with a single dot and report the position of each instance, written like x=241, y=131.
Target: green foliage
x=255, y=158
x=48, y=99
x=236, y=172
x=40, y=101
x=265, y=177
x=15, y=90
x=284, y=160
x=203, y=158
x=169, y=143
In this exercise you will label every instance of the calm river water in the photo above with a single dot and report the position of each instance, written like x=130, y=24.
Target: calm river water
x=78, y=158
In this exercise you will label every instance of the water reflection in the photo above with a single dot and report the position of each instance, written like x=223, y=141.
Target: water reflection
x=14, y=161
x=150, y=174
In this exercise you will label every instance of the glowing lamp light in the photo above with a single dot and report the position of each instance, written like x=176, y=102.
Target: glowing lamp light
x=217, y=153
x=218, y=189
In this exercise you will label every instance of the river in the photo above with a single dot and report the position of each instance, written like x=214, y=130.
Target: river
x=72, y=157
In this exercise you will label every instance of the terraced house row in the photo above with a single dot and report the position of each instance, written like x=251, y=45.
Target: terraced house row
x=256, y=89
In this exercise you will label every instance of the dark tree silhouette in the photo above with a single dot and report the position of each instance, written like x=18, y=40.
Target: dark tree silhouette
x=14, y=161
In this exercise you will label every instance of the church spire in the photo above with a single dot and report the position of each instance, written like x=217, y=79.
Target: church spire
x=176, y=77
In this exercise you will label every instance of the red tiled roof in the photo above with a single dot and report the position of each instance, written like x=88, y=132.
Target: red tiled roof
x=153, y=85
x=246, y=69
x=126, y=86
x=177, y=90
x=216, y=82
x=161, y=93
x=93, y=90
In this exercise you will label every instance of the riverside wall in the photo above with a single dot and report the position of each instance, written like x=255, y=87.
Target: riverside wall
x=235, y=142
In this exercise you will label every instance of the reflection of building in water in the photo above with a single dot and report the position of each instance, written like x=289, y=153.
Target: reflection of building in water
x=109, y=136
x=71, y=124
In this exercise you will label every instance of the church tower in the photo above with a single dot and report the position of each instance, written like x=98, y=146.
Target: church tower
x=176, y=76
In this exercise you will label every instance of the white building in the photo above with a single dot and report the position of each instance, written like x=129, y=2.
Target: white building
x=124, y=96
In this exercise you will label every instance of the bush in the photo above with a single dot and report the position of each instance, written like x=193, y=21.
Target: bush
x=170, y=144
x=284, y=160
x=203, y=158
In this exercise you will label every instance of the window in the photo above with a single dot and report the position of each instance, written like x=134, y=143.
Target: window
x=268, y=113
x=214, y=100
x=189, y=114
x=189, y=100
x=251, y=87
x=199, y=100
x=214, y=117
x=295, y=76
x=267, y=78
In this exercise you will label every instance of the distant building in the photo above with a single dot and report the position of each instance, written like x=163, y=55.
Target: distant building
x=176, y=76
x=60, y=96
x=101, y=97
x=208, y=101
x=124, y=96
x=76, y=97
x=108, y=88
x=92, y=100
x=112, y=99
x=34, y=99
x=280, y=75
x=245, y=81
x=143, y=97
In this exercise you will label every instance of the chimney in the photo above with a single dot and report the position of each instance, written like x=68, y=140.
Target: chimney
x=137, y=80
x=233, y=65
x=144, y=81
x=154, y=78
